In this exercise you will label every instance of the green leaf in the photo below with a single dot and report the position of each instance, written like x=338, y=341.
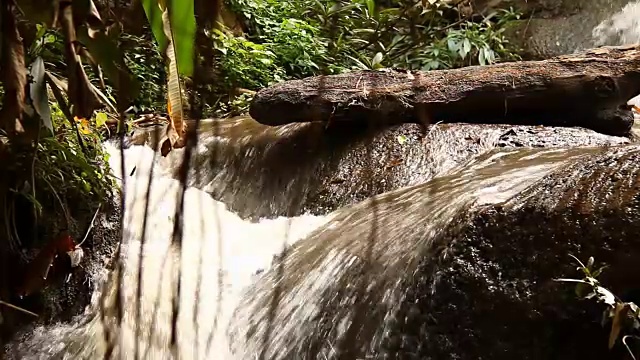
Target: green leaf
x=466, y=47
x=597, y=273
x=453, y=45
x=154, y=15
x=38, y=93
x=101, y=119
x=371, y=6
x=377, y=59
x=183, y=27
x=481, y=57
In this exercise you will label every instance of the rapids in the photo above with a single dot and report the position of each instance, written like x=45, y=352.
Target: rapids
x=220, y=254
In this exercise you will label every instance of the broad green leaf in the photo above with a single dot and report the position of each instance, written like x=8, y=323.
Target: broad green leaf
x=38, y=93
x=377, y=59
x=481, y=57
x=101, y=119
x=182, y=25
x=453, y=45
x=371, y=6
x=466, y=47
x=154, y=15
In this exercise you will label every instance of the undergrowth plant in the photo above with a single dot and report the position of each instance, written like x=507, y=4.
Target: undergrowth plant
x=75, y=166
x=312, y=37
x=623, y=317
x=147, y=65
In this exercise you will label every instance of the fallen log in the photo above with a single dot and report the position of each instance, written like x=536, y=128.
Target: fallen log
x=588, y=89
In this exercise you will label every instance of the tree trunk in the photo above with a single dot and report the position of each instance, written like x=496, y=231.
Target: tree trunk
x=588, y=89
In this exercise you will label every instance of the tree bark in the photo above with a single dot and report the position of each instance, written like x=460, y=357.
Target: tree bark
x=588, y=89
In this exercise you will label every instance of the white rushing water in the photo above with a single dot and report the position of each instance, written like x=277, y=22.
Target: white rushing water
x=621, y=28
x=220, y=253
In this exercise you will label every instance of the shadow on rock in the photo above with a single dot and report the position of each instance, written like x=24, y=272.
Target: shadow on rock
x=263, y=171
x=458, y=268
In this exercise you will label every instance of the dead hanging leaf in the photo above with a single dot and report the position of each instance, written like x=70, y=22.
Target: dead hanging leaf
x=81, y=93
x=14, y=72
x=176, y=129
x=619, y=316
x=37, y=271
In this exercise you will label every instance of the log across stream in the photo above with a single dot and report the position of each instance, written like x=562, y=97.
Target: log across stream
x=588, y=89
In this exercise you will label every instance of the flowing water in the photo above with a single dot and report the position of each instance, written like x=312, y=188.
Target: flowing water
x=621, y=28
x=310, y=302
x=220, y=254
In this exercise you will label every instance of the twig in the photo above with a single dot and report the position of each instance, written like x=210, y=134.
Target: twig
x=18, y=308
x=86, y=235
x=64, y=209
x=526, y=28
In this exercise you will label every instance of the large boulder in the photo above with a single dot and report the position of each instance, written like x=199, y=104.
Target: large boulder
x=265, y=171
x=458, y=268
x=556, y=27
x=68, y=290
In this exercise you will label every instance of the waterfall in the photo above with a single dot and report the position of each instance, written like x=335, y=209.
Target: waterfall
x=226, y=306
x=220, y=254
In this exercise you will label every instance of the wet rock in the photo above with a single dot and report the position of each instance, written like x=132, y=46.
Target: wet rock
x=67, y=296
x=556, y=27
x=388, y=164
x=449, y=270
x=264, y=171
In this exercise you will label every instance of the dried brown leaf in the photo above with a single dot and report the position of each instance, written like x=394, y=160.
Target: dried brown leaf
x=619, y=315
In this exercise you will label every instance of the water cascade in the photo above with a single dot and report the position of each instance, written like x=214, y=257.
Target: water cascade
x=357, y=278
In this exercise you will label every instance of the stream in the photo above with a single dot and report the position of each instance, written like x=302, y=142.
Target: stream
x=269, y=279
x=221, y=254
